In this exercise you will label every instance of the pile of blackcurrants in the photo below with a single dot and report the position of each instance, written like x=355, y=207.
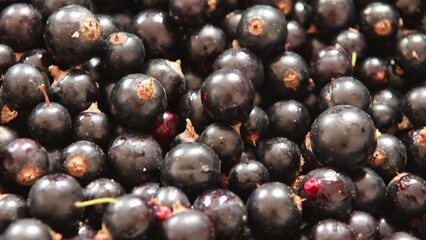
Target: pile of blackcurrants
x=212, y=119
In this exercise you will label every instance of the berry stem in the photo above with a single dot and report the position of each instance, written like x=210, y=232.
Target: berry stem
x=95, y=202
x=46, y=96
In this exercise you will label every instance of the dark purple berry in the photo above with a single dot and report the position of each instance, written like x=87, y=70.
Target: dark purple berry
x=73, y=34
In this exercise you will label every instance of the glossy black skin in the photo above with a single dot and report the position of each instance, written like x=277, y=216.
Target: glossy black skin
x=335, y=196
x=52, y=199
x=108, y=24
x=302, y=13
x=135, y=159
x=374, y=13
x=26, y=229
x=254, y=128
x=281, y=157
x=39, y=58
x=7, y=135
x=20, y=154
x=169, y=196
x=396, y=79
x=225, y=142
x=128, y=218
x=412, y=64
x=83, y=232
x=192, y=167
x=383, y=116
x=244, y=60
x=389, y=158
x=193, y=79
x=352, y=41
x=313, y=45
x=230, y=23
x=387, y=226
x=92, y=126
x=225, y=210
x=12, y=208
x=273, y=211
x=157, y=31
x=76, y=91
x=60, y=28
x=373, y=72
x=331, y=229
x=169, y=75
x=401, y=236
x=146, y=191
x=154, y=3
x=416, y=150
x=413, y=106
x=405, y=197
x=95, y=68
x=246, y=176
x=310, y=162
x=273, y=35
x=100, y=188
x=419, y=229
x=290, y=119
x=363, y=225
x=187, y=225
x=345, y=91
x=132, y=111
x=221, y=101
x=390, y=97
x=411, y=12
x=288, y=75
x=330, y=63
x=296, y=36
x=93, y=156
x=47, y=7
x=49, y=123
x=330, y=17
x=371, y=190
x=54, y=153
x=191, y=106
x=343, y=137
x=21, y=27
x=7, y=58
x=122, y=53
x=204, y=45
x=18, y=91
x=188, y=13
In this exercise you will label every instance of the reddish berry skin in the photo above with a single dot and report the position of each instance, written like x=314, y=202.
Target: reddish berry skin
x=166, y=129
x=328, y=193
x=162, y=212
x=312, y=186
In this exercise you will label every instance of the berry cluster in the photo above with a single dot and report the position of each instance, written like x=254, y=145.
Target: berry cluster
x=212, y=119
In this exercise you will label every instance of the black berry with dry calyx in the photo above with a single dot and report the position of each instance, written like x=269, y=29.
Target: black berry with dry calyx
x=138, y=101
x=288, y=76
x=123, y=53
x=263, y=29
x=188, y=135
x=169, y=75
x=83, y=160
x=23, y=161
x=74, y=89
x=73, y=34
x=92, y=125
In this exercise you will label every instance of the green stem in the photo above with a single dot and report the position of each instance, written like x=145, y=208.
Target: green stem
x=95, y=202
